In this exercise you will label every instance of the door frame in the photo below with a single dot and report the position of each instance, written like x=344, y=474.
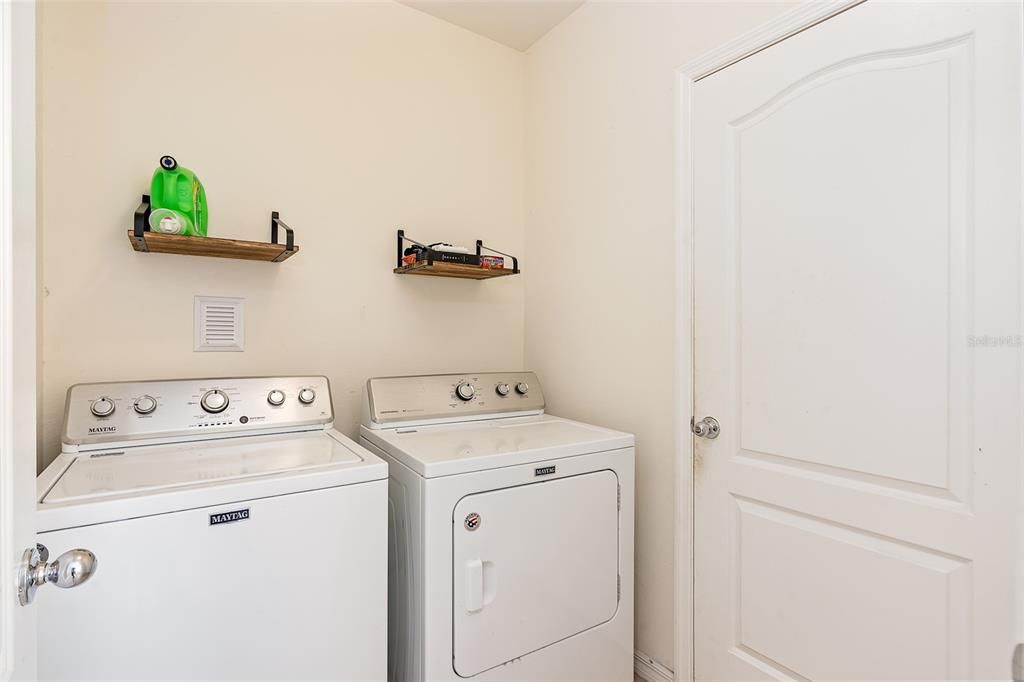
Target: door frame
x=786, y=25
x=6, y=353
x=19, y=371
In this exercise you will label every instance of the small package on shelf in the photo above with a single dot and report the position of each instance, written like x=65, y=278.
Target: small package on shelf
x=492, y=262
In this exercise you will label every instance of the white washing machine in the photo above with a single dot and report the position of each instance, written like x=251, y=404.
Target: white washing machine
x=238, y=536
x=511, y=532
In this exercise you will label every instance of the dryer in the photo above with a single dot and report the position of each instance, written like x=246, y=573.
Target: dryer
x=237, y=535
x=510, y=532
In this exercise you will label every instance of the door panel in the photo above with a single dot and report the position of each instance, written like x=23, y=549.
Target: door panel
x=808, y=586
x=540, y=565
x=847, y=297
x=857, y=334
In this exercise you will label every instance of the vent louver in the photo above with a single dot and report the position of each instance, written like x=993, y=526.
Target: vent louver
x=219, y=324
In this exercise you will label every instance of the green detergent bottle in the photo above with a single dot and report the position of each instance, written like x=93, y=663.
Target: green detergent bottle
x=178, y=200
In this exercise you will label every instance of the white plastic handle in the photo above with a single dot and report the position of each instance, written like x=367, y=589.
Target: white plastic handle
x=474, y=585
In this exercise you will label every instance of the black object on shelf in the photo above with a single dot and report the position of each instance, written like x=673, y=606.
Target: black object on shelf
x=448, y=264
x=144, y=240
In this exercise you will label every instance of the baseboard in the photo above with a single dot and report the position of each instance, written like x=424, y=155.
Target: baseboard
x=649, y=669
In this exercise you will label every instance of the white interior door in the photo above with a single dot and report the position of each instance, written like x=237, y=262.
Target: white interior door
x=857, y=282
x=17, y=331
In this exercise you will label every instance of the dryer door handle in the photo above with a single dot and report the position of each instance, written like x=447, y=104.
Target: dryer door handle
x=474, y=585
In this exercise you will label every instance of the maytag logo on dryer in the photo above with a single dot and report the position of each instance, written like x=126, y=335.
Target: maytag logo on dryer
x=102, y=429
x=229, y=517
x=544, y=471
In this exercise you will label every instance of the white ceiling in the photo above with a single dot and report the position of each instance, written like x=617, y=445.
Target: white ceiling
x=516, y=23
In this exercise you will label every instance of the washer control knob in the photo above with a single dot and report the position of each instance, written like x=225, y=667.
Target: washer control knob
x=465, y=391
x=307, y=396
x=102, y=407
x=275, y=397
x=214, y=401
x=145, y=405
x=502, y=389
x=522, y=388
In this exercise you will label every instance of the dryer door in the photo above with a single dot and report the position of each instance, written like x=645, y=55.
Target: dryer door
x=533, y=565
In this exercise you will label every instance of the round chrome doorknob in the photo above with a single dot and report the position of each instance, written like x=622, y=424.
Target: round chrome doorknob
x=708, y=427
x=307, y=396
x=70, y=569
x=275, y=398
x=214, y=401
x=102, y=407
x=465, y=391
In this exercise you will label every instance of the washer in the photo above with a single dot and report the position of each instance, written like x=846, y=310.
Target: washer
x=511, y=532
x=238, y=536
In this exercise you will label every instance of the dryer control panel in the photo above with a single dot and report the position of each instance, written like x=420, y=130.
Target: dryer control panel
x=451, y=397
x=97, y=414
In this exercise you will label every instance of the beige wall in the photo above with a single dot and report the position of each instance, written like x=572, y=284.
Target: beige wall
x=599, y=236
x=350, y=119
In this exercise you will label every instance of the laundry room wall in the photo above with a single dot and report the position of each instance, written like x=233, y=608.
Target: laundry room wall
x=351, y=119
x=600, y=219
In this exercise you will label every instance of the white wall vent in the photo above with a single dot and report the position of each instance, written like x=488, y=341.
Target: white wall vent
x=219, y=324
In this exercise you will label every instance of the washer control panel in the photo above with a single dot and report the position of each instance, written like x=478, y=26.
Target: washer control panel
x=452, y=396
x=140, y=410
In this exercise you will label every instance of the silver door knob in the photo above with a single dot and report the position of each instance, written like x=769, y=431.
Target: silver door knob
x=70, y=569
x=708, y=427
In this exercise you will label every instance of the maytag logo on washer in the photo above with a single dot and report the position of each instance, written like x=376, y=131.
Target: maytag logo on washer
x=229, y=517
x=102, y=429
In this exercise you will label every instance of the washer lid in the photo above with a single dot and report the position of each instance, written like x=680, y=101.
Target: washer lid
x=201, y=463
x=460, y=448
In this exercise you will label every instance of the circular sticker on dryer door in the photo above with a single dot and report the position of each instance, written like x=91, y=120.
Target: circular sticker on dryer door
x=472, y=521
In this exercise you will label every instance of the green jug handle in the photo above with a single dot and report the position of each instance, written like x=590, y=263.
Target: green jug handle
x=169, y=193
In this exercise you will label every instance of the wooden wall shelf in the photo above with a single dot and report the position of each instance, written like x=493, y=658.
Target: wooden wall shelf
x=454, y=270
x=145, y=241
x=432, y=264
x=182, y=245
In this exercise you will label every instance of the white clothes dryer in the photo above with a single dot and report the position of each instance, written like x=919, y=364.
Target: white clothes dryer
x=511, y=532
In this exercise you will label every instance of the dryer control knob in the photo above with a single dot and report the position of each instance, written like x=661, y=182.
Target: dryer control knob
x=307, y=396
x=465, y=391
x=275, y=397
x=522, y=388
x=145, y=404
x=502, y=389
x=214, y=401
x=102, y=407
